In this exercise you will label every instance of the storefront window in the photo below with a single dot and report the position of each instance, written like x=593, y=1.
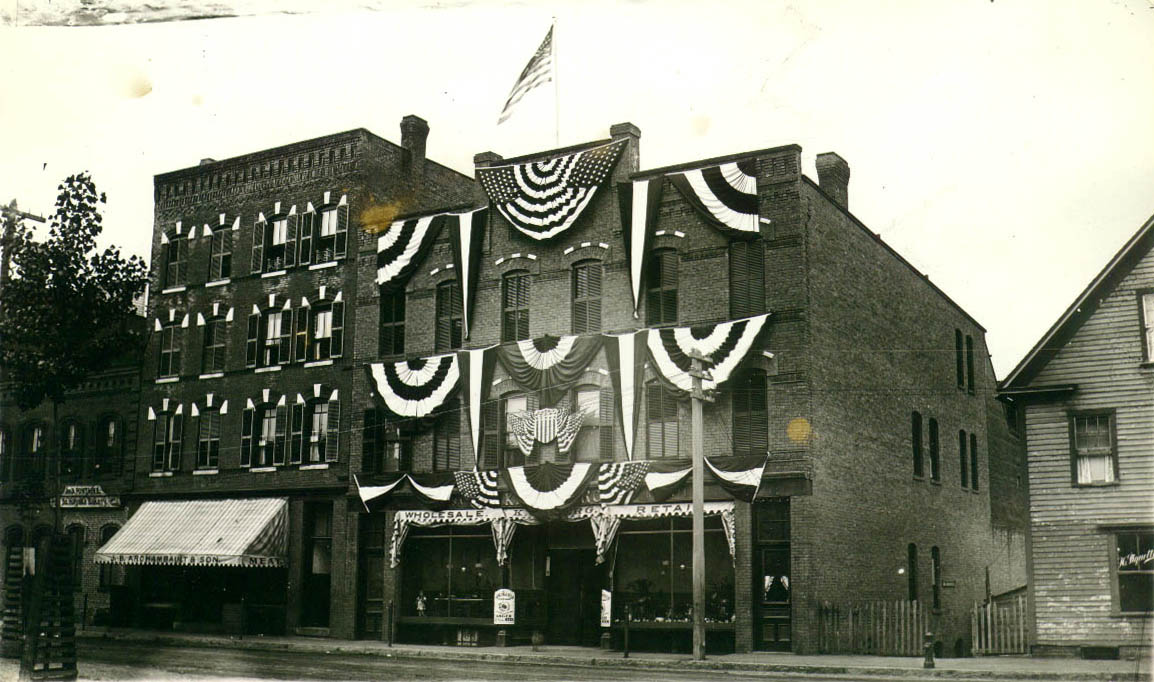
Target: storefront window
x=456, y=575
x=654, y=571
x=1136, y=572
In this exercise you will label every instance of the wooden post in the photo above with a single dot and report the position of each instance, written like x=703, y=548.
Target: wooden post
x=696, y=396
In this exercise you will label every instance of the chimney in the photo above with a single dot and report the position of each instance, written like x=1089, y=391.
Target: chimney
x=632, y=155
x=414, y=132
x=833, y=177
x=485, y=159
x=205, y=162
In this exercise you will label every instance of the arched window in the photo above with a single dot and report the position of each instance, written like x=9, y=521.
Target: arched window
x=108, y=444
x=661, y=422
x=167, y=437
x=71, y=448
x=746, y=278
x=935, y=458
x=916, y=441
x=447, y=438
x=963, y=459
x=936, y=576
x=750, y=414
x=315, y=435
x=586, y=293
x=29, y=463
x=974, y=461
x=264, y=434
x=661, y=288
x=515, y=299
x=959, y=359
x=449, y=334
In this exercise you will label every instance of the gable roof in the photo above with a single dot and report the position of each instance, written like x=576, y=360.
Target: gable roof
x=1082, y=307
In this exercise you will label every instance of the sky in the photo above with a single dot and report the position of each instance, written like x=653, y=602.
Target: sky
x=1004, y=148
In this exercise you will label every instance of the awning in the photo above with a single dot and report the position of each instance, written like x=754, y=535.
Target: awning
x=202, y=533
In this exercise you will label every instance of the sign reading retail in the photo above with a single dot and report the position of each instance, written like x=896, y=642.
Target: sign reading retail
x=87, y=497
x=606, y=608
x=504, y=607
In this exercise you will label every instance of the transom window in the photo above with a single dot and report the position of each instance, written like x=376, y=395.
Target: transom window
x=515, y=306
x=1092, y=449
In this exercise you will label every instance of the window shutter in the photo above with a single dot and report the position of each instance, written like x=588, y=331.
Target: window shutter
x=302, y=332
x=177, y=439
x=182, y=260
x=278, y=455
x=307, y=238
x=491, y=435
x=606, y=418
x=342, y=231
x=369, y=442
x=593, y=311
x=338, y=332
x=332, y=438
x=225, y=269
x=177, y=344
x=290, y=242
x=246, y=422
x=284, y=350
x=296, y=435
x=250, y=345
x=258, y=229
x=159, y=437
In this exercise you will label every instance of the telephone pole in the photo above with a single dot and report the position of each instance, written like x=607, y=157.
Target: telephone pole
x=697, y=395
x=8, y=216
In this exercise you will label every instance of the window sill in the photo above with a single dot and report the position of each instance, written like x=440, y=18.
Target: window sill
x=211, y=375
x=174, y=290
x=319, y=363
x=322, y=266
x=1104, y=484
x=262, y=470
x=168, y=380
x=274, y=273
x=262, y=370
x=159, y=474
x=217, y=283
x=205, y=472
x=314, y=467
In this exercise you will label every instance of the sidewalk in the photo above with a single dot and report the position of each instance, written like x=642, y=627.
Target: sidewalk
x=847, y=667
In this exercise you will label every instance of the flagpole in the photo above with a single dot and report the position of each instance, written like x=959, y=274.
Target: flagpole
x=556, y=90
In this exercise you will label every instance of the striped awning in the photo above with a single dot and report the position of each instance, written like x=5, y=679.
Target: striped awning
x=202, y=533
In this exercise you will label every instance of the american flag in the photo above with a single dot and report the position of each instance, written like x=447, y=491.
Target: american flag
x=617, y=482
x=538, y=71
x=479, y=487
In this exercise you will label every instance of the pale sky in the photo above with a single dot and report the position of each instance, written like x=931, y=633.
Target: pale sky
x=1004, y=148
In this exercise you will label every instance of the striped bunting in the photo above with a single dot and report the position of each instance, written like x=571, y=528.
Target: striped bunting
x=725, y=195
x=617, y=482
x=665, y=477
x=725, y=345
x=549, y=487
x=549, y=365
x=466, y=234
x=415, y=388
x=479, y=488
x=739, y=476
x=402, y=248
x=625, y=354
x=545, y=426
x=434, y=488
x=544, y=198
x=639, y=202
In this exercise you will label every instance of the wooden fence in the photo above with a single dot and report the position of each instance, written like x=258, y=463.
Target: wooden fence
x=1000, y=627
x=879, y=628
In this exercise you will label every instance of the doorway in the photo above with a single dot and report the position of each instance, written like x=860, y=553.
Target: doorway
x=772, y=586
x=574, y=584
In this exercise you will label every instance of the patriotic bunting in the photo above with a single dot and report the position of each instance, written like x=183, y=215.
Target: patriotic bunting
x=415, y=388
x=477, y=368
x=625, y=354
x=544, y=198
x=432, y=488
x=724, y=195
x=376, y=492
x=604, y=531
x=739, y=476
x=665, y=477
x=545, y=426
x=402, y=248
x=467, y=234
x=639, y=202
x=550, y=365
x=479, y=488
x=549, y=487
x=725, y=344
x=617, y=482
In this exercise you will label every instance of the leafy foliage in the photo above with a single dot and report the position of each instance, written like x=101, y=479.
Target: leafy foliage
x=67, y=310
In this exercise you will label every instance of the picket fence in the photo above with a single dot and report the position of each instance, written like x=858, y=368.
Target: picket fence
x=878, y=628
x=1000, y=627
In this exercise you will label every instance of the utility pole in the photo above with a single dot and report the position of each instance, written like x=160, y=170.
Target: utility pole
x=8, y=216
x=697, y=395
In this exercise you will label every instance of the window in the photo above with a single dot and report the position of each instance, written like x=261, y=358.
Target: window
x=974, y=461
x=661, y=288
x=1135, y=572
x=29, y=464
x=959, y=359
x=325, y=332
x=318, y=553
x=110, y=575
x=167, y=431
x=935, y=458
x=71, y=449
x=170, y=346
x=1146, y=319
x=220, y=260
x=330, y=240
x=963, y=459
x=208, y=440
x=107, y=459
x=176, y=261
x=515, y=306
x=215, y=345
x=912, y=571
x=936, y=575
x=447, y=438
x=746, y=278
x=274, y=242
x=1093, y=456
x=391, y=335
x=1012, y=424
x=383, y=446
x=264, y=436
x=456, y=575
x=660, y=422
x=269, y=338
x=916, y=441
x=750, y=414
x=499, y=443
x=315, y=432
x=595, y=441
x=970, y=362
x=586, y=297
x=449, y=331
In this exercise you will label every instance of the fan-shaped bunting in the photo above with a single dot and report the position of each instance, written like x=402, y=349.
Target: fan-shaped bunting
x=550, y=487
x=415, y=388
x=724, y=344
x=549, y=365
x=725, y=195
x=402, y=247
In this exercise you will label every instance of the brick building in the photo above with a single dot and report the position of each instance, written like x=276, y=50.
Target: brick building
x=1083, y=397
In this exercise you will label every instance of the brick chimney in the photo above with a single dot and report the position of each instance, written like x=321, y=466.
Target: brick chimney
x=414, y=133
x=833, y=177
x=631, y=161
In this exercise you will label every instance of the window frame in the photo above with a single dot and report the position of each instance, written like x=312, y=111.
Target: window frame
x=220, y=254
x=585, y=310
x=214, y=349
x=1145, y=326
x=449, y=333
x=963, y=458
x=912, y=571
x=105, y=456
x=391, y=331
x=166, y=451
x=656, y=297
x=959, y=359
x=975, y=485
x=208, y=456
x=447, y=434
x=936, y=577
x=1112, y=538
x=1071, y=424
x=176, y=260
x=72, y=454
x=169, y=358
x=602, y=423
x=515, y=316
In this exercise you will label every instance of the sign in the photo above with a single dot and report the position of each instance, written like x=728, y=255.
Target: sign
x=504, y=607
x=606, y=608
x=87, y=497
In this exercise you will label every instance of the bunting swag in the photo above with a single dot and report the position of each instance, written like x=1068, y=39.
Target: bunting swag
x=379, y=489
x=467, y=234
x=477, y=368
x=503, y=529
x=639, y=201
x=625, y=354
x=725, y=344
x=604, y=530
x=550, y=365
x=544, y=198
x=433, y=489
x=479, y=488
x=415, y=388
x=549, y=487
x=402, y=248
x=739, y=476
x=665, y=477
x=616, y=483
x=724, y=195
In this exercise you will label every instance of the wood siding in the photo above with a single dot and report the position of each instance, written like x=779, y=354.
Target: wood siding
x=1072, y=582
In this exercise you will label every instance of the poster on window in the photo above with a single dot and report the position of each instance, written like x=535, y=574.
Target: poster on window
x=606, y=608
x=504, y=607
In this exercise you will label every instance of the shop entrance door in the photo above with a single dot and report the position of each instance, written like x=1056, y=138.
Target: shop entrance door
x=772, y=586
x=574, y=589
